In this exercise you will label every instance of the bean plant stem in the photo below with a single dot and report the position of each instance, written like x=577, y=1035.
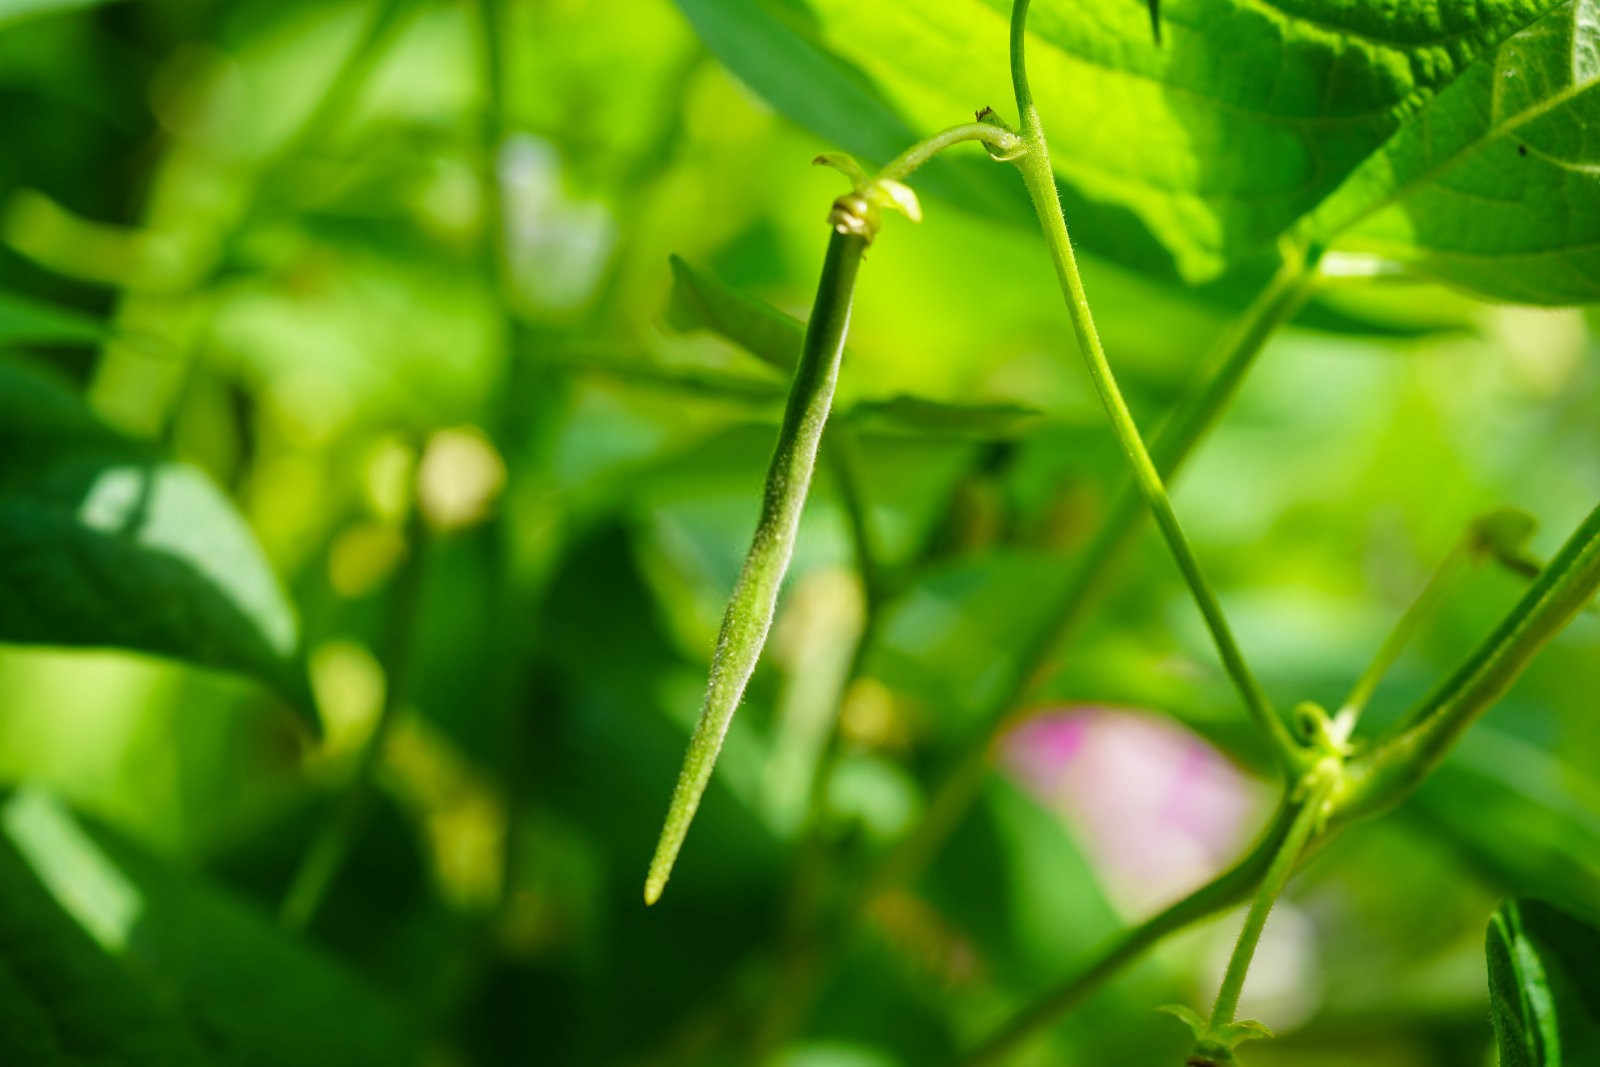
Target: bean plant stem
x=1039, y=178
x=334, y=839
x=755, y=594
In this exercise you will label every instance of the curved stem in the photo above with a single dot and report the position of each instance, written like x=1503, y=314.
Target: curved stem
x=1039, y=178
x=1223, y=891
x=997, y=137
x=755, y=594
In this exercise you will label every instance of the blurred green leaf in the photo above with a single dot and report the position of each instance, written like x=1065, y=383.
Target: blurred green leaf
x=1522, y=820
x=17, y=10
x=905, y=413
x=260, y=998
x=1544, y=986
x=24, y=320
x=63, y=1001
x=701, y=302
x=105, y=543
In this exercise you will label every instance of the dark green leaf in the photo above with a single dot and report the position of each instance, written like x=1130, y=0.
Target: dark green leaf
x=105, y=543
x=27, y=321
x=261, y=998
x=63, y=1001
x=1544, y=986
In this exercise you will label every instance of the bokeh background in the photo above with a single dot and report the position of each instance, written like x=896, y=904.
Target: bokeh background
x=350, y=249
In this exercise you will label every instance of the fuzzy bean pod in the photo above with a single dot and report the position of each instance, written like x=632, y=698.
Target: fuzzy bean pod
x=755, y=594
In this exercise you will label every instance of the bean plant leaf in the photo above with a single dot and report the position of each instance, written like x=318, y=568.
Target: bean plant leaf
x=1544, y=986
x=106, y=543
x=700, y=301
x=1451, y=135
x=1495, y=182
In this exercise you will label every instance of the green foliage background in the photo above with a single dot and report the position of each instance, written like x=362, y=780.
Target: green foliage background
x=296, y=256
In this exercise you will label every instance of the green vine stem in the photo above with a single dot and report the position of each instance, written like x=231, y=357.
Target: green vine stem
x=1039, y=178
x=1385, y=774
x=755, y=594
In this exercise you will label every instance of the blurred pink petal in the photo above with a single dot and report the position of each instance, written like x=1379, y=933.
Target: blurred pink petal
x=1156, y=809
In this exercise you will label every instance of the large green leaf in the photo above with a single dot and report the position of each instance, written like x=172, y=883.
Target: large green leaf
x=1495, y=182
x=63, y=1001
x=1544, y=986
x=1193, y=156
x=258, y=997
x=105, y=543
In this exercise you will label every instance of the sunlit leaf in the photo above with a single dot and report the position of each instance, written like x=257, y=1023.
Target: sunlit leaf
x=1495, y=182
x=1464, y=124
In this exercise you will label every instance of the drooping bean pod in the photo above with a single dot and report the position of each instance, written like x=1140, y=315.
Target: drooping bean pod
x=755, y=594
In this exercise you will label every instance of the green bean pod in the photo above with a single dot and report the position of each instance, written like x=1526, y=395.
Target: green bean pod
x=755, y=594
